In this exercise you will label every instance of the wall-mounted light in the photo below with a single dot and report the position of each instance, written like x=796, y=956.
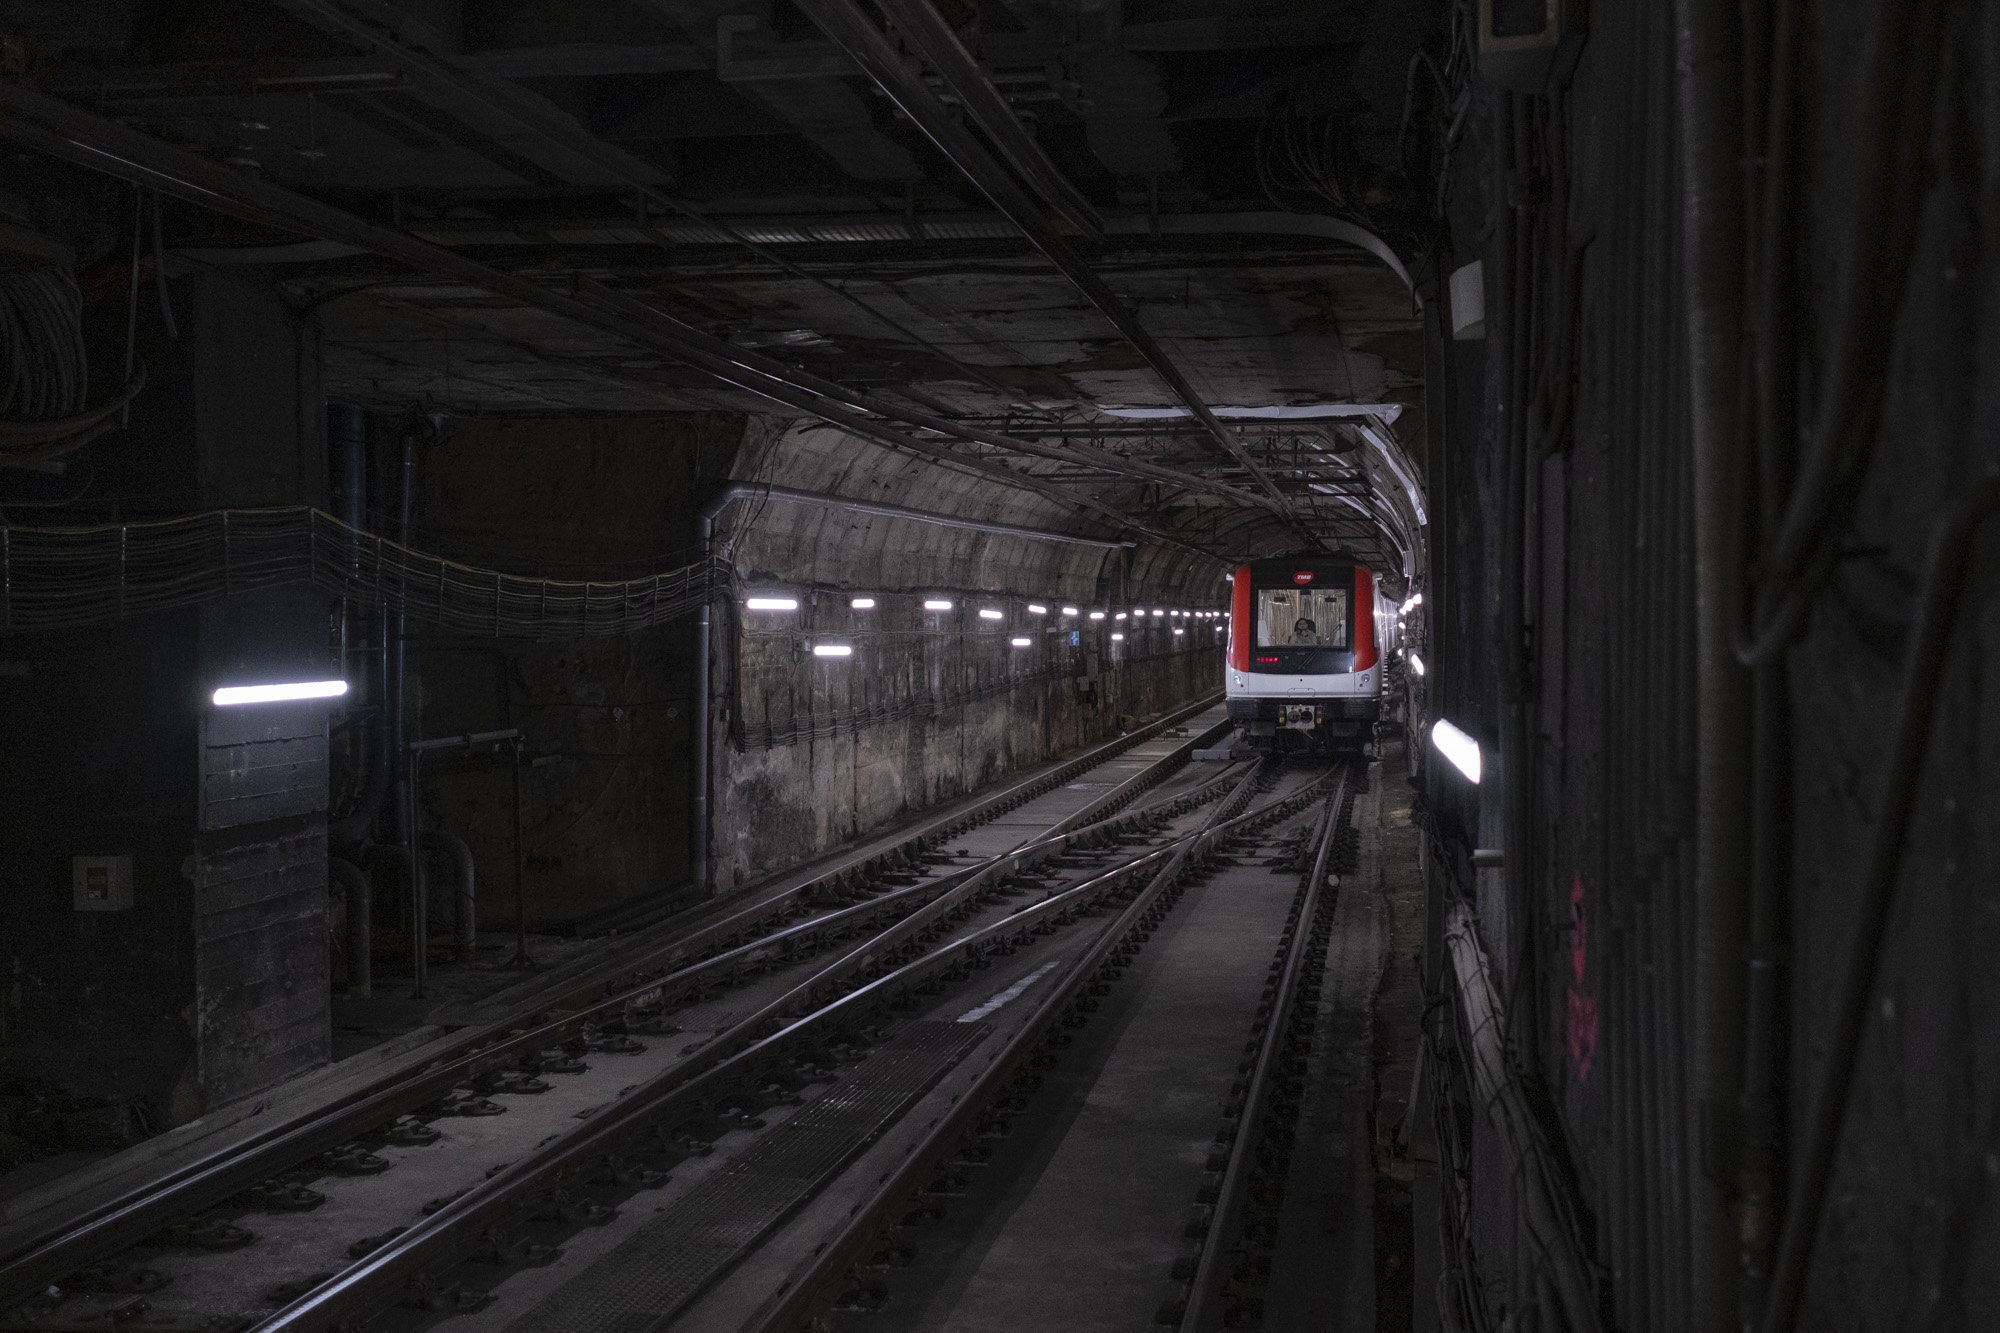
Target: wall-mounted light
x=1416, y=664
x=1037, y=609
x=1099, y=615
x=771, y=603
x=1455, y=745
x=230, y=696
x=1119, y=616
x=833, y=650
x=989, y=613
x=1179, y=630
x=863, y=603
x=1022, y=643
x=1070, y=611
x=1415, y=599
x=1117, y=637
x=1159, y=611
x=937, y=604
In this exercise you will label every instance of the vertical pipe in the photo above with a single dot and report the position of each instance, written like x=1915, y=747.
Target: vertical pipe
x=360, y=946
x=464, y=896
x=521, y=958
x=420, y=907
x=1709, y=124
x=397, y=707
x=347, y=428
x=702, y=687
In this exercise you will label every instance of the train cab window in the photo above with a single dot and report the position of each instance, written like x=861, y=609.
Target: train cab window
x=1302, y=617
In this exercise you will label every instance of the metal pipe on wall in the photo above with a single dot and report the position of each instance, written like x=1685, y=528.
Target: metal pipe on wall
x=464, y=895
x=395, y=706
x=1708, y=112
x=360, y=936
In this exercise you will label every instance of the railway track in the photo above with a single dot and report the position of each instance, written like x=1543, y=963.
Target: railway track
x=215, y=1243
x=1137, y=1233
x=943, y=1034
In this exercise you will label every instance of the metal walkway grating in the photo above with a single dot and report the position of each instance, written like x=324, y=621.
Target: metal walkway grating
x=640, y=1284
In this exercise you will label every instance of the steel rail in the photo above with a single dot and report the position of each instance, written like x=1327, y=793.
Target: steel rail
x=852, y=31
x=802, y=1297
x=220, y=1175
x=856, y=868
x=674, y=1096
x=1204, y=1310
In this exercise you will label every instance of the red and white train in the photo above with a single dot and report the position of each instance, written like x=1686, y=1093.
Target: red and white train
x=1306, y=637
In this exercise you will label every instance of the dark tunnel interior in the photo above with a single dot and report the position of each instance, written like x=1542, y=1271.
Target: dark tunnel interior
x=895, y=665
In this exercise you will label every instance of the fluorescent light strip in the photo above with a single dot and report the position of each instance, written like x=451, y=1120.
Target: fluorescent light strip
x=1099, y=615
x=863, y=604
x=1037, y=609
x=1117, y=637
x=1455, y=745
x=231, y=695
x=833, y=650
x=937, y=604
x=1416, y=664
x=771, y=603
x=1070, y=611
x=988, y=613
x=1021, y=643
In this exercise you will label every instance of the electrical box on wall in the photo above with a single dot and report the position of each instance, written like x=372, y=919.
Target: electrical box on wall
x=101, y=883
x=1521, y=40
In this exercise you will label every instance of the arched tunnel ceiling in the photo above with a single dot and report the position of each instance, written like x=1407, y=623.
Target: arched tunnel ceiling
x=742, y=167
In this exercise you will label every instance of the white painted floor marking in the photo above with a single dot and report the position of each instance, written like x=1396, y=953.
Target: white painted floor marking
x=1013, y=992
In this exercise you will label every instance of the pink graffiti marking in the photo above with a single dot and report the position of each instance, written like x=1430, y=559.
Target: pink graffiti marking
x=1582, y=1024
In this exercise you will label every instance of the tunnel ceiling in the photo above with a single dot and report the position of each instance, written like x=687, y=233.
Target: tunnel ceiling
x=1237, y=173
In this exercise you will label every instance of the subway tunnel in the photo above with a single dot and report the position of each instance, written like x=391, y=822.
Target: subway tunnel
x=902, y=665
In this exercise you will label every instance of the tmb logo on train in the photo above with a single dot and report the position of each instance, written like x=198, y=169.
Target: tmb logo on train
x=1303, y=577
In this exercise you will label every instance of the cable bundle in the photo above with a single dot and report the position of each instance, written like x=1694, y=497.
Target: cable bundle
x=46, y=372
x=59, y=578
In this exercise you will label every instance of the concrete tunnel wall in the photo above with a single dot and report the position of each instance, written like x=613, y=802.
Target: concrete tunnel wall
x=810, y=754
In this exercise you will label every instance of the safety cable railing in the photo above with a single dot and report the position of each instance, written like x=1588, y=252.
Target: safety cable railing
x=69, y=577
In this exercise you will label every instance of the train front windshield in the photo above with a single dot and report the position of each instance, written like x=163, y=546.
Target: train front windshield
x=1302, y=617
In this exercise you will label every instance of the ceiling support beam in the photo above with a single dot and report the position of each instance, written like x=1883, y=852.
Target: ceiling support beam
x=920, y=24
x=847, y=25
x=63, y=131
x=459, y=83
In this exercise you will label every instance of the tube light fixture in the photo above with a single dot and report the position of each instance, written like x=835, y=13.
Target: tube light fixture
x=771, y=603
x=1117, y=637
x=1455, y=745
x=1179, y=630
x=231, y=695
x=937, y=604
x=1159, y=611
x=1021, y=643
x=833, y=650
x=1070, y=611
x=863, y=604
x=1416, y=664
x=1119, y=616
x=989, y=613
x=1037, y=609
x=1099, y=615
x=1414, y=599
